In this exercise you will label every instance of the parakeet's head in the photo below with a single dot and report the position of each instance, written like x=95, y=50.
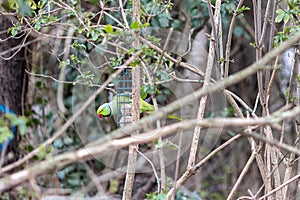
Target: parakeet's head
x=104, y=110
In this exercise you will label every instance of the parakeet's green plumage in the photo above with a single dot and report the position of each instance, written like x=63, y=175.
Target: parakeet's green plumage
x=109, y=109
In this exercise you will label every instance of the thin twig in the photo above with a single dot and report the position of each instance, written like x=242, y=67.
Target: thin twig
x=123, y=14
x=195, y=168
x=242, y=175
x=202, y=103
x=229, y=38
x=153, y=168
x=19, y=48
x=281, y=186
x=264, y=28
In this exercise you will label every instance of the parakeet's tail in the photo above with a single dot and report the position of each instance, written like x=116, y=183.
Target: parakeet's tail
x=175, y=117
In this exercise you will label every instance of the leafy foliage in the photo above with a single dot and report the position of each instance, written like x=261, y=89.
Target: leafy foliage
x=12, y=121
x=290, y=19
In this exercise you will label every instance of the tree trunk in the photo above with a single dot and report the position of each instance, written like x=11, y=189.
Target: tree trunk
x=13, y=82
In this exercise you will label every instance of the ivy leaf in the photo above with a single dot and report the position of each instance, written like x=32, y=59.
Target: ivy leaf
x=164, y=19
x=24, y=8
x=176, y=24
x=164, y=22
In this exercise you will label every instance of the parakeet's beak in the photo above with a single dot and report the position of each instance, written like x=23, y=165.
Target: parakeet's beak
x=100, y=116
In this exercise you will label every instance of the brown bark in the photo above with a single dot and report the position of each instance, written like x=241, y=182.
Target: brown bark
x=12, y=78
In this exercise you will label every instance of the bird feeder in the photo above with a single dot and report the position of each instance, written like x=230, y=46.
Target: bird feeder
x=124, y=97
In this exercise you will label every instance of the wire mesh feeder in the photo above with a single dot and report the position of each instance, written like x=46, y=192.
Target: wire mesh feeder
x=124, y=98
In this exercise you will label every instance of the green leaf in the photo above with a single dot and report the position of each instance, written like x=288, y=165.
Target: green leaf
x=14, y=30
x=58, y=143
x=68, y=141
x=78, y=46
x=162, y=74
x=164, y=19
x=113, y=186
x=94, y=34
x=286, y=18
x=282, y=15
x=11, y=117
x=42, y=153
x=32, y=4
x=24, y=8
x=8, y=5
x=176, y=24
x=2, y=123
x=19, y=121
x=149, y=89
x=242, y=9
x=108, y=28
x=63, y=64
x=279, y=18
x=5, y=134
x=135, y=63
x=155, y=196
x=298, y=78
x=74, y=2
x=94, y=2
x=37, y=26
x=253, y=44
x=145, y=25
x=164, y=22
x=41, y=3
x=22, y=129
x=135, y=25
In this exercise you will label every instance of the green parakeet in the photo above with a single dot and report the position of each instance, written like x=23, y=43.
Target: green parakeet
x=109, y=109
